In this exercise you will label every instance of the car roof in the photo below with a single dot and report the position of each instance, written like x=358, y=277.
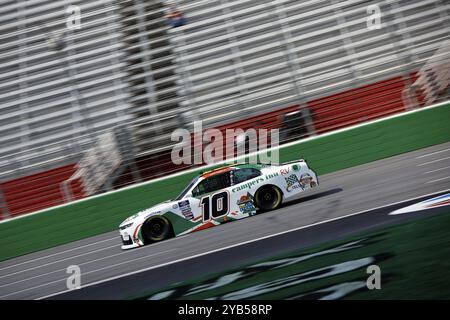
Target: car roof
x=228, y=168
x=216, y=171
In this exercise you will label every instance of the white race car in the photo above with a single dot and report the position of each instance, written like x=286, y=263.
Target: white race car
x=218, y=196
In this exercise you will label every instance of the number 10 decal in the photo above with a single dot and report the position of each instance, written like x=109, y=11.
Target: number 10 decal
x=215, y=206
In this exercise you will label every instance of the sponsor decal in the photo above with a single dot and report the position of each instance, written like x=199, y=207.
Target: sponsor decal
x=284, y=171
x=175, y=206
x=248, y=185
x=186, y=210
x=152, y=214
x=271, y=175
x=246, y=205
x=306, y=181
x=436, y=202
x=296, y=167
x=292, y=183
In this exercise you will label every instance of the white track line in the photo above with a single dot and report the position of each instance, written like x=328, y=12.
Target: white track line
x=87, y=262
x=437, y=180
x=85, y=273
x=434, y=161
x=57, y=261
x=239, y=244
x=431, y=154
x=437, y=170
x=64, y=269
x=55, y=254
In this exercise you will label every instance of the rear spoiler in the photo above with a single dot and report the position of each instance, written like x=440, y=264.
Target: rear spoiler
x=293, y=161
x=281, y=164
x=289, y=162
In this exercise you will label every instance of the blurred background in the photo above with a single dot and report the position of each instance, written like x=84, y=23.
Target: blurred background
x=90, y=91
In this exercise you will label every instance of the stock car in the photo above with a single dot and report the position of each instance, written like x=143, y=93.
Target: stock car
x=221, y=195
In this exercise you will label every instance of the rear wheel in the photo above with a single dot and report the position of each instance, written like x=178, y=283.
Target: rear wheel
x=157, y=229
x=268, y=198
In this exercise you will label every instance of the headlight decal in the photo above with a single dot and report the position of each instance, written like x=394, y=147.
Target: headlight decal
x=126, y=226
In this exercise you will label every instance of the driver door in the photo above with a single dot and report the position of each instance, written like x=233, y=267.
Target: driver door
x=210, y=198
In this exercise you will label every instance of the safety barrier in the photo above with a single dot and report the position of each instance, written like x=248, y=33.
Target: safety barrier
x=35, y=192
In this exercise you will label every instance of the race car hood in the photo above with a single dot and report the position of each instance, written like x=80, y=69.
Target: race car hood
x=143, y=215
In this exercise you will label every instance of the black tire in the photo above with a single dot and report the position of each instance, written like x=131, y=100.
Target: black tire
x=268, y=198
x=157, y=229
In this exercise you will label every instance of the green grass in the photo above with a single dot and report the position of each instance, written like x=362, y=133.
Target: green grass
x=325, y=155
x=414, y=259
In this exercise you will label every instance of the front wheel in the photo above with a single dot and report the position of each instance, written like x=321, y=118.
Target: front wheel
x=268, y=198
x=156, y=229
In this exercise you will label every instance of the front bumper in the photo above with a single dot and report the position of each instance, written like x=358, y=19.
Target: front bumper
x=130, y=246
x=128, y=242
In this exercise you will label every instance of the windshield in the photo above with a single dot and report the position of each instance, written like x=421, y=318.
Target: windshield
x=190, y=185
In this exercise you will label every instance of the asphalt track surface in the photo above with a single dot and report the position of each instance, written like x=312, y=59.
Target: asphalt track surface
x=364, y=194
